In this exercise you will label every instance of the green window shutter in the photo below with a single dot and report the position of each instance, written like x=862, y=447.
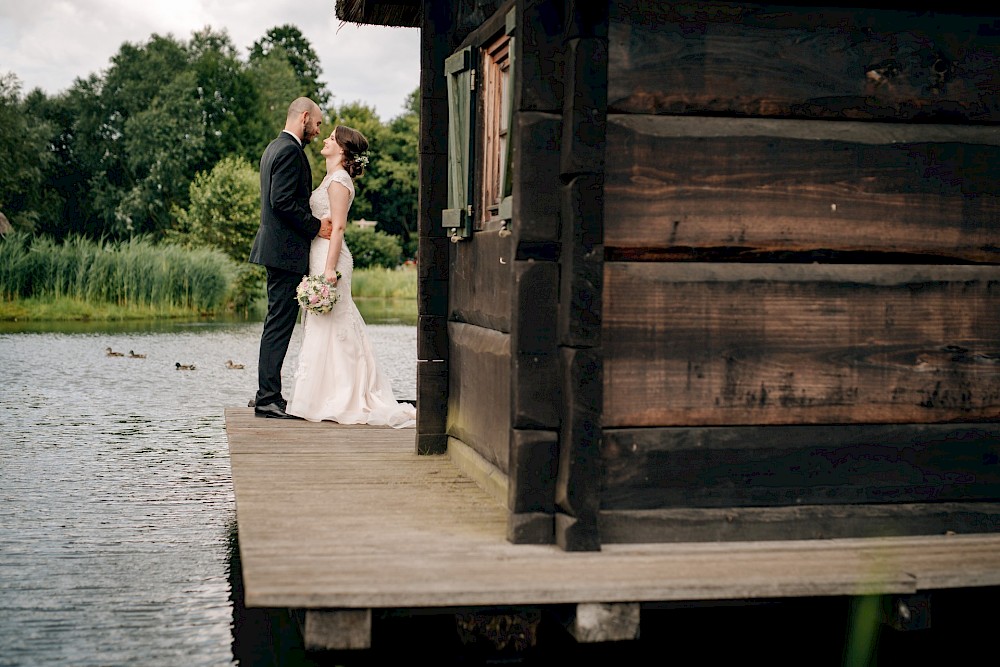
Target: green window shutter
x=460, y=74
x=507, y=178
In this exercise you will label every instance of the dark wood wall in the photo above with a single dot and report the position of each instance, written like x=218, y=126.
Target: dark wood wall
x=801, y=291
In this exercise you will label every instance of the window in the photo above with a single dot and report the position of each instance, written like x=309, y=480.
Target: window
x=495, y=132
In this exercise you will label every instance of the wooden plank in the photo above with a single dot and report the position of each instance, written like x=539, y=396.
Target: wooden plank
x=336, y=517
x=479, y=391
x=585, y=106
x=578, y=476
x=432, y=406
x=534, y=455
x=534, y=370
x=785, y=61
x=432, y=338
x=582, y=262
x=653, y=468
x=538, y=57
x=807, y=522
x=754, y=344
x=747, y=188
x=480, y=273
x=537, y=138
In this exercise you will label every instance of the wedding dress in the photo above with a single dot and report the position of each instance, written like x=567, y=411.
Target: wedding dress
x=337, y=377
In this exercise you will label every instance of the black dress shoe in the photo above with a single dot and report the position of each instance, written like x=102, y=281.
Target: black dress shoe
x=272, y=410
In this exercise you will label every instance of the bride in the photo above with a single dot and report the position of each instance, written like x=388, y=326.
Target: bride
x=338, y=377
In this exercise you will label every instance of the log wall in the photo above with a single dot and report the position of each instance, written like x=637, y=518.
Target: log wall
x=801, y=285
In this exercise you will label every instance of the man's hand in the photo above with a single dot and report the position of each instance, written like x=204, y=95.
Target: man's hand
x=325, y=228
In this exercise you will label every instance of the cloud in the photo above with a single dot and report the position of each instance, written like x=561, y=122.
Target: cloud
x=50, y=43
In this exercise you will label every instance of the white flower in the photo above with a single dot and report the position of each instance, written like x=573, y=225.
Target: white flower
x=362, y=160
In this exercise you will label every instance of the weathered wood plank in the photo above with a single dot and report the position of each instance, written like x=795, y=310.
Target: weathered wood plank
x=585, y=106
x=479, y=391
x=582, y=262
x=432, y=406
x=755, y=344
x=539, y=57
x=480, y=281
x=537, y=139
x=772, y=60
x=653, y=468
x=334, y=528
x=578, y=476
x=763, y=187
x=808, y=522
x=534, y=371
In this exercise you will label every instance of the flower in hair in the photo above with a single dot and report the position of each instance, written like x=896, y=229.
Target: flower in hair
x=362, y=160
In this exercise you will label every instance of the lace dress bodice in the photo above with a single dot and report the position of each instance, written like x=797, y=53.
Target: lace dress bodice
x=319, y=203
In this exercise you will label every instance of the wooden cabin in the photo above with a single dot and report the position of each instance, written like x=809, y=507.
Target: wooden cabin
x=708, y=271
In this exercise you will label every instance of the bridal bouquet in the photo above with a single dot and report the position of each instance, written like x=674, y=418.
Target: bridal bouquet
x=316, y=295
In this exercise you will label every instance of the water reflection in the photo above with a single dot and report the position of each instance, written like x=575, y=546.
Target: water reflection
x=117, y=521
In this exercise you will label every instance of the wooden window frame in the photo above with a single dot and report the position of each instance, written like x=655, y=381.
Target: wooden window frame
x=494, y=150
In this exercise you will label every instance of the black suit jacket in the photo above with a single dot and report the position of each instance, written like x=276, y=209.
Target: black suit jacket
x=287, y=227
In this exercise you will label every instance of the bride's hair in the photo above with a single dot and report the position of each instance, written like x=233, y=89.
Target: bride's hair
x=355, y=147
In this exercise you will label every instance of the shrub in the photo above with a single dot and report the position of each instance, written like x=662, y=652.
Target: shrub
x=373, y=248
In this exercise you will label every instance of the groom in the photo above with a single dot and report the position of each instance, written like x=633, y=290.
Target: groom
x=287, y=228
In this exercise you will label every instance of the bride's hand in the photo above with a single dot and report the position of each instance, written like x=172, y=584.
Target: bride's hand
x=331, y=276
x=325, y=228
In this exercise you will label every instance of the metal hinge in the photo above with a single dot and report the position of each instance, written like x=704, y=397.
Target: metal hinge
x=472, y=80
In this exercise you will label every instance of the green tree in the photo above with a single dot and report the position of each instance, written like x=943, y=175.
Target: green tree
x=24, y=156
x=164, y=148
x=224, y=209
x=372, y=248
x=394, y=203
x=300, y=55
x=224, y=213
x=276, y=86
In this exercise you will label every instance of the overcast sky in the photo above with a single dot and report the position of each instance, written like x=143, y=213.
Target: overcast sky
x=50, y=43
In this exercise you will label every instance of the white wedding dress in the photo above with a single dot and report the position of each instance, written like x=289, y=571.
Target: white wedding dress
x=337, y=377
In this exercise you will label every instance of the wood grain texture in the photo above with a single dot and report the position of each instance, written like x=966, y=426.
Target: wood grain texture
x=758, y=466
x=770, y=60
x=479, y=391
x=763, y=187
x=755, y=344
x=346, y=517
x=479, y=290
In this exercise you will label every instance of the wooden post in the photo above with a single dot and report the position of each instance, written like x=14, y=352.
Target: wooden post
x=584, y=131
x=433, y=245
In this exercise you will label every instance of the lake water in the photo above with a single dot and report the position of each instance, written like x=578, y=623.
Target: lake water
x=117, y=522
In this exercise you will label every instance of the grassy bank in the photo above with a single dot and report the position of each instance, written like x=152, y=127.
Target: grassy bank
x=82, y=280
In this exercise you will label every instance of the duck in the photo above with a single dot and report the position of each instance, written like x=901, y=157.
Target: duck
x=133, y=355
x=112, y=353
x=231, y=364
x=184, y=367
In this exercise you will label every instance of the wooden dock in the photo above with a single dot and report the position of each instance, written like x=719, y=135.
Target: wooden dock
x=340, y=520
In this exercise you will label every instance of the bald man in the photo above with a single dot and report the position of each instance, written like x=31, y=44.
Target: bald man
x=287, y=228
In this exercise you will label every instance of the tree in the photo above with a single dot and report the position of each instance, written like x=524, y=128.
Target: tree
x=394, y=204
x=276, y=86
x=300, y=55
x=224, y=209
x=24, y=155
x=224, y=213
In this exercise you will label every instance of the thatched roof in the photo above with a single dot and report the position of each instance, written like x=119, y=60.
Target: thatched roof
x=398, y=13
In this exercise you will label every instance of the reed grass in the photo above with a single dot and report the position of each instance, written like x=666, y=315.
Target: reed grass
x=79, y=278
x=381, y=283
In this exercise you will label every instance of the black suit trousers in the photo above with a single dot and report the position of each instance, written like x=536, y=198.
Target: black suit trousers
x=282, y=312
